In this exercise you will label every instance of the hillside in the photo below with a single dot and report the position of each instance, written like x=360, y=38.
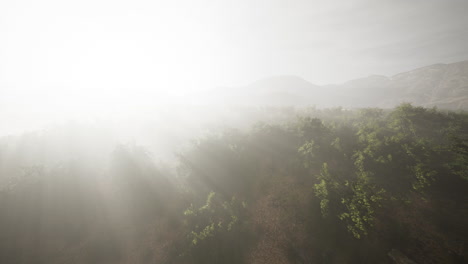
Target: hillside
x=326, y=186
x=441, y=85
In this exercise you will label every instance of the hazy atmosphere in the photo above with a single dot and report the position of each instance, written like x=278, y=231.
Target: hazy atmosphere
x=92, y=58
x=233, y=131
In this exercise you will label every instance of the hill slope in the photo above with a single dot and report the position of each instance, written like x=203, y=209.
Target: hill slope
x=441, y=85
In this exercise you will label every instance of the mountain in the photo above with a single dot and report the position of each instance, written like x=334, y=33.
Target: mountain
x=278, y=91
x=441, y=85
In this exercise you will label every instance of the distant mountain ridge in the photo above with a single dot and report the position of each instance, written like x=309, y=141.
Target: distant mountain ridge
x=441, y=85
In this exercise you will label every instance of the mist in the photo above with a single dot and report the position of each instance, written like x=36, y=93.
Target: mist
x=233, y=131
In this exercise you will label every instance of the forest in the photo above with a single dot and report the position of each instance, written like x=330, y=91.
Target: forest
x=314, y=186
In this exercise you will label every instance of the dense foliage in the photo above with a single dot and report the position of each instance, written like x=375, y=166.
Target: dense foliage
x=327, y=186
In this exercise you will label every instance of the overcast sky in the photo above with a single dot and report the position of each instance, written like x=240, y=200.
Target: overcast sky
x=92, y=50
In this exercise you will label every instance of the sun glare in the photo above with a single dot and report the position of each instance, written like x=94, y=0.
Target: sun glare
x=99, y=65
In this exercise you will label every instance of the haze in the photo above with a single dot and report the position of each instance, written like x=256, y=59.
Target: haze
x=62, y=60
x=234, y=132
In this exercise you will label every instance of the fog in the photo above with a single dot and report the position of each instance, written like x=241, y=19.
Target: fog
x=233, y=131
x=95, y=59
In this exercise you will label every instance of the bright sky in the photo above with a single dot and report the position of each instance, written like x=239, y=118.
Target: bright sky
x=67, y=56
